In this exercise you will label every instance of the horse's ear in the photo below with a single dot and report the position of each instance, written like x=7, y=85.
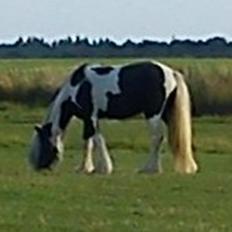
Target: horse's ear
x=38, y=128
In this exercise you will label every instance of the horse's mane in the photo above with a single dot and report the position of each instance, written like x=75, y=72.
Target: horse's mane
x=55, y=94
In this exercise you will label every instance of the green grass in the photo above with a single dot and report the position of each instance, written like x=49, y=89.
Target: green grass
x=124, y=201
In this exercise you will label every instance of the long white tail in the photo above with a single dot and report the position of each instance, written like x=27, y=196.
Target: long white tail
x=180, y=129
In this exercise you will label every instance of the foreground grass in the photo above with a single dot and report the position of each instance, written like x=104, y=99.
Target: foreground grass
x=125, y=201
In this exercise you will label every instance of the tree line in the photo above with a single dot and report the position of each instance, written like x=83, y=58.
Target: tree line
x=34, y=47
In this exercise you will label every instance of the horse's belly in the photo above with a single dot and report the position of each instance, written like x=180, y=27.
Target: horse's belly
x=119, y=108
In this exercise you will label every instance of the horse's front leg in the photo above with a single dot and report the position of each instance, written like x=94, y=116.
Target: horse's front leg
x=87, y=164
x=103, y=161
x=93, y=139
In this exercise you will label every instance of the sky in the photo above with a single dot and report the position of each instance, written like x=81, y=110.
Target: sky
x=115, y=19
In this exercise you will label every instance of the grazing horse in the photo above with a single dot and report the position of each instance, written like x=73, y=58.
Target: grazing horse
x=93, y=92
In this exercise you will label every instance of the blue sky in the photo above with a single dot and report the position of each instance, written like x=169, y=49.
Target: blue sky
x=116, y=19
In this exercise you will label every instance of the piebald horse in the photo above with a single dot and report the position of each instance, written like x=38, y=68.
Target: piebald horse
x=93, y=92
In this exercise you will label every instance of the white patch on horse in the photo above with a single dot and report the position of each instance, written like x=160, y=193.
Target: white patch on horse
x=169, y=79
x=54, y=116
x=56, y=140
x=101, y=85
x=55, y=108
x=88, y=165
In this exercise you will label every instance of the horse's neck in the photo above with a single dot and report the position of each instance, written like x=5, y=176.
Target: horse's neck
x=54, y=116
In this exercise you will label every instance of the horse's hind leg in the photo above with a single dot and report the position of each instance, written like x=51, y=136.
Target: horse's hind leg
x=156, y=129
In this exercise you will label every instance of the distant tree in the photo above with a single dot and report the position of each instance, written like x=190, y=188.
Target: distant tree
x=18, y=42
x=34, y=47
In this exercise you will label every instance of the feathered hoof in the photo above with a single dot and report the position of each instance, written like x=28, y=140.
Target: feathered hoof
x=89, y=170
x=104, y=170
x=189, y=167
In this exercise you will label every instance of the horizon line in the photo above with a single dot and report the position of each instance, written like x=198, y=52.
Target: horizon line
x=118, y=41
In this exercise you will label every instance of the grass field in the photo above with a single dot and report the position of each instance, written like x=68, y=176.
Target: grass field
x=125, y=201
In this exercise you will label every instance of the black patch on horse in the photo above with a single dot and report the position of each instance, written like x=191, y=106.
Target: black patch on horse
x=85, y=109
x=84, y=100
x=142, y=91
x=169, y=107
x=89, y=129
x=103, y=70
x=68, y=109
x=47, y=130
x=78, y=75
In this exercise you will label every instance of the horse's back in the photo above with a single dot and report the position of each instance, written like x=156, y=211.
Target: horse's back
x=134, y=78
x=122, y=91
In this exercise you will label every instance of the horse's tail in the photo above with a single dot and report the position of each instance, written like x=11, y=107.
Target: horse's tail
x=180, y=127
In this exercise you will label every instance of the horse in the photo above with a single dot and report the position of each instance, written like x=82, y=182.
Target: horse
x=93, y=92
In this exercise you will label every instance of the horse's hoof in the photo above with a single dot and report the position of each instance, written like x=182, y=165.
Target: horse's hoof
x=84, y=170
x=104, y=171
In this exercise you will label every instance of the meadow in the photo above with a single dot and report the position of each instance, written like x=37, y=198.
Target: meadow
x=63, y=200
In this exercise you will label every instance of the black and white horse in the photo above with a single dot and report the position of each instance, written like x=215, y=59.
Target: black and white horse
x=93, y=92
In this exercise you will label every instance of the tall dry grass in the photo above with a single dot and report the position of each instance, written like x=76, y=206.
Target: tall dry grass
x=34, y=81
x=210, y=83
x=31, y=81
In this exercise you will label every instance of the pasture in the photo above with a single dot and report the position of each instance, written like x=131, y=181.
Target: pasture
x=63, y=200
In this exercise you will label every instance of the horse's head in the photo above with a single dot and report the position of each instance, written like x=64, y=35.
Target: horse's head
x=44, y=152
